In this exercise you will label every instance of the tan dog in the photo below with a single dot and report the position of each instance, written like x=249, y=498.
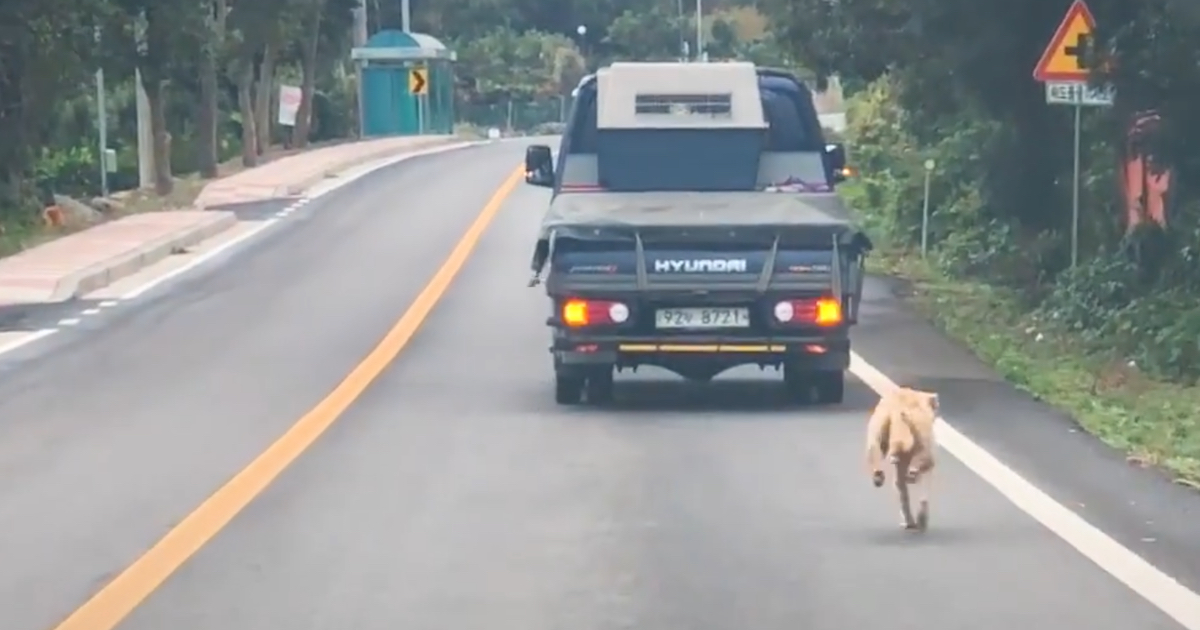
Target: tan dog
x=901, y=431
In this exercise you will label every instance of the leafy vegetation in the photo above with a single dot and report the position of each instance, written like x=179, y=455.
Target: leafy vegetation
x=211, y=71
x=1115, y=340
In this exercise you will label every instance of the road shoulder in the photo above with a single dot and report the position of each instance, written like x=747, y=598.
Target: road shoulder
x=1139, y=507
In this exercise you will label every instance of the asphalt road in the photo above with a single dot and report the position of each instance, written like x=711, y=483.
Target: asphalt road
x=454, y=493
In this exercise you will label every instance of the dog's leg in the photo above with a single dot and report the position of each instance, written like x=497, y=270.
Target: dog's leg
x=901, y=481
x=876, y=441
x=923, y=492
x=917, y=468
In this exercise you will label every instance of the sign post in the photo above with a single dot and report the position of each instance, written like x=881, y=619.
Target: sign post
x=1064, y=70
x=929, y=166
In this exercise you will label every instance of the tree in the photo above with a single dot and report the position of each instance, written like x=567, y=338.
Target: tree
x=325, y=29
x=504, y=64
x=160, y=29
x=647, y=35
x=50, y=54
x=212, y=56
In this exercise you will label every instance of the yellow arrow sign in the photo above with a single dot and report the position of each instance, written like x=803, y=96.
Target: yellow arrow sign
x=418, y=81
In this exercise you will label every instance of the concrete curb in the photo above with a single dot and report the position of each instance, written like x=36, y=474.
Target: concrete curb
x=333, y=169
x=107, y=272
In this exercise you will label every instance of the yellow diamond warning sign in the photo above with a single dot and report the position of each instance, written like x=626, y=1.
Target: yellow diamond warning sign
x=1065, y=59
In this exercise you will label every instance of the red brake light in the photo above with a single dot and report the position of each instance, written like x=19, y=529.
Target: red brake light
x=824, y=311
x=578, y=313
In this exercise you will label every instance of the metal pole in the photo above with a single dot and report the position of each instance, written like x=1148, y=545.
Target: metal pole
x=405, y=16
x=925, y=216
x=1075, y=190
x=145, y=138
x=683, y=52
x=699, y=30
x=101, y=122
x=102, y=130
x=360, y=39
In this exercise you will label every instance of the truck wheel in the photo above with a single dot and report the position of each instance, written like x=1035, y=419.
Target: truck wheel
x=831, y=387
x=568, y=389
x=797, y=383
x=599, y=387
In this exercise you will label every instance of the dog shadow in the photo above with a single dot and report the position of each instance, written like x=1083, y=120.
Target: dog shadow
x=755, y=396
x=935, y=536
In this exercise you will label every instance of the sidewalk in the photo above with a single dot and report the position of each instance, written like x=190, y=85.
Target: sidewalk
x=83, y=262
x=293, y=174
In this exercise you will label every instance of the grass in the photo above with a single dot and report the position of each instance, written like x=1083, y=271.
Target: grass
x=1153, y=422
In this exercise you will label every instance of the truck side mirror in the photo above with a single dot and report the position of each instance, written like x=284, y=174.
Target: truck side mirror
x=539, y=166
x=835, y=159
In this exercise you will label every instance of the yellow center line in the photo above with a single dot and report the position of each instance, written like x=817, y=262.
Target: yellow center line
x=124, y=593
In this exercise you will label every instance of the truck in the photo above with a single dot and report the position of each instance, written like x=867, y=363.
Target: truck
x=694, y=226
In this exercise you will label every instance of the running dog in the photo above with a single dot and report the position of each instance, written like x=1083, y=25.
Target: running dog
x=901, y=431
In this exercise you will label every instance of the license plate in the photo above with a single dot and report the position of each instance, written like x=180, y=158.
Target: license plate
x=722, y=317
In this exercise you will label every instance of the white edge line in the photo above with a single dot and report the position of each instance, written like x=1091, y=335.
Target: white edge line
x=241, y=238
x=27, y=339
x=362, y=170
x=200, y=260
x=1158, y=588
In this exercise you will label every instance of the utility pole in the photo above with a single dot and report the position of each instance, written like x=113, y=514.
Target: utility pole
x=145, y=134
x=102, y=124
x=359, y=37
x=683, y=48
x=700, y=56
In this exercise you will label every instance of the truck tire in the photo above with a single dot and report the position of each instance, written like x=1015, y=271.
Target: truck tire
x=830, y=386
x=568, y=389
x=599, y=387
x=824, y=387
x=797, y=383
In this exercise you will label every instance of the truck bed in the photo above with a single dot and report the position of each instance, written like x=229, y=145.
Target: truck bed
x=723, y=246
x=588, y=210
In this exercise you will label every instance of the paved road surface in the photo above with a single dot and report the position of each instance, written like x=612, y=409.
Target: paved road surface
x=454, y=493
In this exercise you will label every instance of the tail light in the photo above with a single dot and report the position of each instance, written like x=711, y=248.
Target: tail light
x=825, y=311
x=578, y=313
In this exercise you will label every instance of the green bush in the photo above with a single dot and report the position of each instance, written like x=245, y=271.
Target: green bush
x=1135, y=301
x=74, y=171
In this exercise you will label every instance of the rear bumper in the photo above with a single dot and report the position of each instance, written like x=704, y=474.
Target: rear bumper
x=811, y=352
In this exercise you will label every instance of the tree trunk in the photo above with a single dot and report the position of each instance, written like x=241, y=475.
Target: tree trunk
x=264, y=91
x=308, y=65
x=206, y=123
x=153, y=70
x=155, y=96
x=208, y=112
x=246, y=109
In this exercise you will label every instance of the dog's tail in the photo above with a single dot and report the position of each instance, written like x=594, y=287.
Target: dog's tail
x=901, y=436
